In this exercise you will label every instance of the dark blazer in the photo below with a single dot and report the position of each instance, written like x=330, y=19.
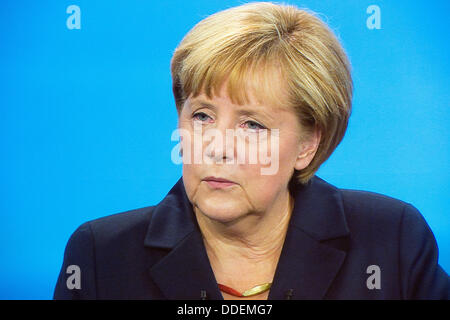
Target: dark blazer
x=334, y=235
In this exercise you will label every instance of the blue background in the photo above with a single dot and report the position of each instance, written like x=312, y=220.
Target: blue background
x=86, y=117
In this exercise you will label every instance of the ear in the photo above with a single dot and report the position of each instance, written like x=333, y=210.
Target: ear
x=308, y=148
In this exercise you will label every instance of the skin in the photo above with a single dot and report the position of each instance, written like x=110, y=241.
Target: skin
x=244, y=225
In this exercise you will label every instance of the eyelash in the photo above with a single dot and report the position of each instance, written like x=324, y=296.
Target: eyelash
x=261, y=127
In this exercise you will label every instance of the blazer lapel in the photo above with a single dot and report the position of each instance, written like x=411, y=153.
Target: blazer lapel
x=306, y=267
x=315, y=245
x=185, y=271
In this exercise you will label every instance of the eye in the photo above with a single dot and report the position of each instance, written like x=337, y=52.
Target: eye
x=201, y=116
x=254, y=126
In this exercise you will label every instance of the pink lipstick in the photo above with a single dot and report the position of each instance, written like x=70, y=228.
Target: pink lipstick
x=218, y=183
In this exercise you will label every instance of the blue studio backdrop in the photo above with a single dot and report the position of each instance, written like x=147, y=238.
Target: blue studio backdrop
x=87, y=114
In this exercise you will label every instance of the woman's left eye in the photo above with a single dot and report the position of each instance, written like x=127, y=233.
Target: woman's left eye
x=252, y=125
x=200, y=116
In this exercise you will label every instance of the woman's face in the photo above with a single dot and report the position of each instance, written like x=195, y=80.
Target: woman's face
x=239, y=134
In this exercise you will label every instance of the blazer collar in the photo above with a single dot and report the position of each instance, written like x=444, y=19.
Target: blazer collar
x=312, y=254
x=173, y=219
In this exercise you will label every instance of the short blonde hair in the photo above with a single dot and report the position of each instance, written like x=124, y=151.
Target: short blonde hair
x=257, y=39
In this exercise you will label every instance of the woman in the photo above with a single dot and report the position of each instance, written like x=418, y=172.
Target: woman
x=276, y=83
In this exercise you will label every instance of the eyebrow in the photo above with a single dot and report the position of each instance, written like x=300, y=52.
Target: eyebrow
x=246, y=112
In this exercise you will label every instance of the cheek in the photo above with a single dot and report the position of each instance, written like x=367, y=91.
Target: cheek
x=191, y=177
x=279, y=154
x=288, y=150
x=263, y=189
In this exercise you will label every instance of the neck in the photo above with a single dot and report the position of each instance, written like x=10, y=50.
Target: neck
x=248, y=245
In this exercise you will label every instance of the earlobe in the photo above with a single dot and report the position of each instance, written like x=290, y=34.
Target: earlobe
x=308, y=151
x=305, y=154
x=304, y=159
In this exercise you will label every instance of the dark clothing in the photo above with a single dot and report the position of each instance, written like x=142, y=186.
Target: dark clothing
x=334, y=244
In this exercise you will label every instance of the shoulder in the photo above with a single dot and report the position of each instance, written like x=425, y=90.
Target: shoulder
x=123, y=221
x=361, y=207
x=102, y=248
x=376, y=218
x=377, y=209
x=367, y=201
x=395, y=236
x=115, y=228
x=385, y=212
x=384, y=217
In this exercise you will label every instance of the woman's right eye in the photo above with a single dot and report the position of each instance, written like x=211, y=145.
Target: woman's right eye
x=201, y=116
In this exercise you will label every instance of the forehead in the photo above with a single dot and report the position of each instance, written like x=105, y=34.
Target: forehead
x=254, y=82
x=254, y=95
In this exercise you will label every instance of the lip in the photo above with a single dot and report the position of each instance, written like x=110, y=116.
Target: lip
x=218, y=183
x=211, y=178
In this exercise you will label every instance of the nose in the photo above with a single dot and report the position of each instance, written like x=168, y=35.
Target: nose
x=219, y=143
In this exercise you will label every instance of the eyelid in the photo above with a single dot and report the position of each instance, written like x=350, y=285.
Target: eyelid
x=262, y=127
x=256, y=122
x=200, y=112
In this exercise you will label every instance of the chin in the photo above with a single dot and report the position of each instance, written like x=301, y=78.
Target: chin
x=224, y=212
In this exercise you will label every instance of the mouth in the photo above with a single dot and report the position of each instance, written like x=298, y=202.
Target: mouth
x=218, y=183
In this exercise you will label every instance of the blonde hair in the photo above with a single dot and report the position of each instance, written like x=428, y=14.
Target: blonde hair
x=257, y=39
